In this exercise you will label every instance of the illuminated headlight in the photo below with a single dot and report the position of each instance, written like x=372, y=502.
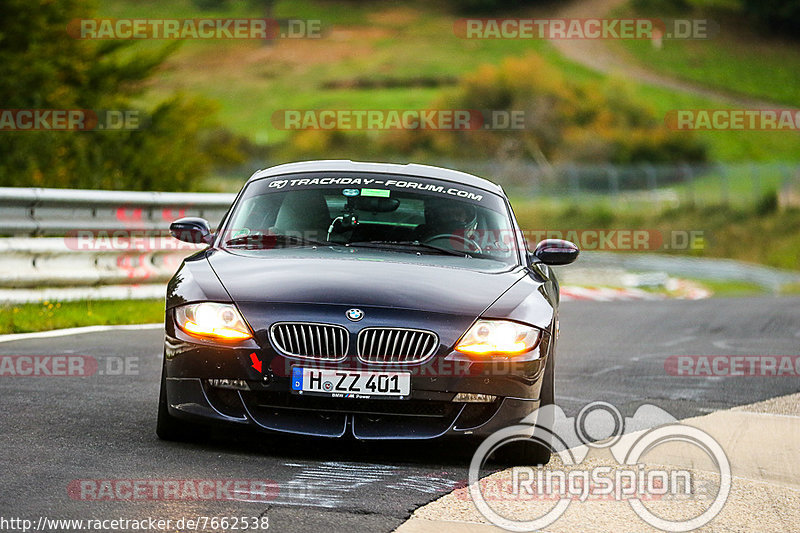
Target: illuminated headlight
x=498, y=338
x=213, y=321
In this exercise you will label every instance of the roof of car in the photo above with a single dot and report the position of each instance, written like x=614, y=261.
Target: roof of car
x=411, y=169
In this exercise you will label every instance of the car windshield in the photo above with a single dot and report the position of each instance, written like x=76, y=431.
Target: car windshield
x=397, y=213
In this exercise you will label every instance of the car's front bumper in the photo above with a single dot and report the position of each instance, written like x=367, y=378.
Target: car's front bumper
x=416, y=418
x=271, y=405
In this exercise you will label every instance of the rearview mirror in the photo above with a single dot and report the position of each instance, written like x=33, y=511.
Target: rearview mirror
x=191, y=229
x=375, y=204
x=556, y=252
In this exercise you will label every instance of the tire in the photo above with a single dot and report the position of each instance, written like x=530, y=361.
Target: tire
x=168, y=427
x=539, y=451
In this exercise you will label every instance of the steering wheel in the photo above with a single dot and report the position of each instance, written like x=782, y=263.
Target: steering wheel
x=469, y=244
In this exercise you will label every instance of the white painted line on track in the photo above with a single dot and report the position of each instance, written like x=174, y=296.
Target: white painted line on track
x=76, y=331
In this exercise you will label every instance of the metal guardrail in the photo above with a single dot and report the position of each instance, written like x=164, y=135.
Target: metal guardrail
x=67, y=245
x=69, y=262
x=35, y=212
x=78, y=244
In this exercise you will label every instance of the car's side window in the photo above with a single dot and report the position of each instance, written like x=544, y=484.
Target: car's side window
x=258, y=213
x=304, y=211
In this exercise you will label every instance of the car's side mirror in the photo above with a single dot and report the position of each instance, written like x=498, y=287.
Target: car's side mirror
x=556, y=252
x=191, y=229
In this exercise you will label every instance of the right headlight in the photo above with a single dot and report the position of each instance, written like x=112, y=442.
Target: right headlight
x=209, y=320
x=498, y=338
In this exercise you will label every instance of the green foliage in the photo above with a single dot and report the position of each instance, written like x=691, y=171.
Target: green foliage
x=744, y=57
x=565, y=120
x=370, y=70
x=23, y=318
x=594, y=217
x=43, y=67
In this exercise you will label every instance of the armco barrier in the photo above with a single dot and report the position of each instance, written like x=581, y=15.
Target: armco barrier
x=57, y=262
x=35, y=265
x=34, y=212
x=44, y=253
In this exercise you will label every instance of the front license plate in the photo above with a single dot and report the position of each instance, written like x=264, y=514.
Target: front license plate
x=350, y=383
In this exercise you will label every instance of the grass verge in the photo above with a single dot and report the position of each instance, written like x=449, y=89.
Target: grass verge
x=737, y=60
x=731, y=288
x=24, y=318
x=403, y=41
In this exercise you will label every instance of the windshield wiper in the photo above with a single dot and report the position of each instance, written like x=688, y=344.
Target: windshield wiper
x=410, y=244
x=275, y=240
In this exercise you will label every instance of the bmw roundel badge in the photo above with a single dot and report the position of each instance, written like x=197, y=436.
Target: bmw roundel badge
x=354, y=315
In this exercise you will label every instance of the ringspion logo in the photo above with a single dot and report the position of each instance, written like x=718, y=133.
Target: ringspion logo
x=628, y=480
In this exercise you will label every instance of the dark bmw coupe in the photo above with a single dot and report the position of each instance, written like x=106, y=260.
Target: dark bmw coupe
x=379, y=301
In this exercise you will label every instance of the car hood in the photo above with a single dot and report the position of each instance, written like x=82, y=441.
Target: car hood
x=364, y=278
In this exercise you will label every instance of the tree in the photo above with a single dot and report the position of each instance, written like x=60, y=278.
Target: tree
x=43, y=67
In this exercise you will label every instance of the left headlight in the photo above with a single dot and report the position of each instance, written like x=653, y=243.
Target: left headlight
x=498, y=338
x=213, y=321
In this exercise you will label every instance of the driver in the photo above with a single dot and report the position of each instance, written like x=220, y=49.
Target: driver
x=448, y=217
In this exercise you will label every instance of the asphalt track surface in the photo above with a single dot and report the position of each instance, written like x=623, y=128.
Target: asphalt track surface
x=58, y=430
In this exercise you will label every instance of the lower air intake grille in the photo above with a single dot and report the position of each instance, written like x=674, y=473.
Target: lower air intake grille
x=322, y=342
x=393, y=346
